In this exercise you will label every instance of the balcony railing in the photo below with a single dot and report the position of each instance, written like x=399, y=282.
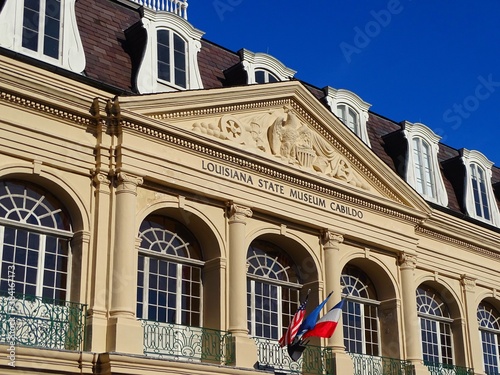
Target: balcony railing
x=41, y=322
x=374, y=365
x=314, y=359
x=178, y=7
x=184, y=343
x=444, y=369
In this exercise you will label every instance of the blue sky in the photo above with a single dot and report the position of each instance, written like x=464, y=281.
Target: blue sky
x=428, y=61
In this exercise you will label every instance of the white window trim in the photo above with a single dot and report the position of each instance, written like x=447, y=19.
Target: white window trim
x=475, y=157
x=71, y=54
x=147, y=76
x=252, y=62
x=418, y=130
x=335, y=97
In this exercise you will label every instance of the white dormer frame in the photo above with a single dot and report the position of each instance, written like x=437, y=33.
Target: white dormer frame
x=147, y=80
x=253, y=62
x=71, y=55
x=422, y=135
x=341, y=97
x=472, y=160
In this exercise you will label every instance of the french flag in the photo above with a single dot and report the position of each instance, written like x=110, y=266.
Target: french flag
x=325, y=326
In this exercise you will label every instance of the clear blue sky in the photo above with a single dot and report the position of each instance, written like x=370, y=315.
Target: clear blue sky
x=431, y=61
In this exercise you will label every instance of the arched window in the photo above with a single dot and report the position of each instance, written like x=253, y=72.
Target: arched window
x=172, y=65
x=272, y=290
x=435, y=327
x=264, y=76
x=360, y=316
x=489, y=327
x=169, y=284
x=479, y=193
x=424, y=175
x=35, y=233
x=349, y=117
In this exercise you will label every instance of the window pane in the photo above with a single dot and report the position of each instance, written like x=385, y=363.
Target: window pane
x=180, y=61
x=260, y=76
x=163, y=51
x=51, y=48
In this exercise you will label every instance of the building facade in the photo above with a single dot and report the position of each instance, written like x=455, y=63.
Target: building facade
x=166, y=204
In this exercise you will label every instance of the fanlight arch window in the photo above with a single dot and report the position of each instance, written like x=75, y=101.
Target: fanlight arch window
x=435, y=327
x=489, y=329
x=360, y=316
x=169, y=282
x=272, y=290
x=35, y=234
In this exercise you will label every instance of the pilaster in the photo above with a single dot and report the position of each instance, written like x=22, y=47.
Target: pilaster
x=97, y=314
x=476, y=356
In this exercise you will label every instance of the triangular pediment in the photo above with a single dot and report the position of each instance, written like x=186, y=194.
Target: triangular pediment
x=284, y=124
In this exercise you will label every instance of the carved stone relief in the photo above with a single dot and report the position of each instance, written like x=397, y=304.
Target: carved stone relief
x=281, y=133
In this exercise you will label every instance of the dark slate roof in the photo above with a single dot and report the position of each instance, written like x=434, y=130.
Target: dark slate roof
x=111, y=62
x=102, y=25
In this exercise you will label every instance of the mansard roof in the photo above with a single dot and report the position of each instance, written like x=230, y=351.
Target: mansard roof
x=111, y=62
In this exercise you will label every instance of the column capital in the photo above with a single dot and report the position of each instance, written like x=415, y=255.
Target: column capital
x=331, y=239
x=468, y=282
x=238, y=213
x=100, y=177
x=128, y=182
x=407, y=261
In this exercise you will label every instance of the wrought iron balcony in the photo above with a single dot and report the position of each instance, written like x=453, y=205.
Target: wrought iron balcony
x=178, y=7
x=374, y=365
x=41, y=322
x=314, y=359
x=444, y=369
x=184, y=343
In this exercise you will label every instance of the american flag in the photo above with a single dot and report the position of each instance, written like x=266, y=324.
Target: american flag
x=294, y=325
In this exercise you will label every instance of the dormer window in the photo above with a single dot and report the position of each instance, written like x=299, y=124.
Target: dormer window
x=171, y=58
x=263, y=68
x=42, y=26
x=478, y=181
x=169, y=61
x=479, y=198
x=350, y=109
x=425, y=181
x=349, y=117
x=36, y=30
x=422, y=164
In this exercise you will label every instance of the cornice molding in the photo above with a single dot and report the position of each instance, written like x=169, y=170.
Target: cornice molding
x=29, y=103
x=458, y=242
